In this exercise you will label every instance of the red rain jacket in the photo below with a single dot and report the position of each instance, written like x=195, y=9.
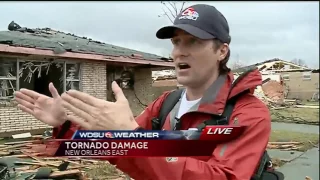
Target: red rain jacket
x=235, y=160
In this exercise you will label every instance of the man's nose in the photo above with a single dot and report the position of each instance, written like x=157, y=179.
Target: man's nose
x=178, y=52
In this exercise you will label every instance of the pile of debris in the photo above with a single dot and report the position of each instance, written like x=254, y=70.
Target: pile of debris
x=18, y=160
x=163, y=75
x=285, y=146
x=274, y=90
x=271, y=92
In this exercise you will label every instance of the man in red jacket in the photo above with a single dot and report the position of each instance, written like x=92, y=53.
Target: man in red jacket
x=200, y=38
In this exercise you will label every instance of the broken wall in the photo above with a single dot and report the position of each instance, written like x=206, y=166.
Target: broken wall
x=93, y=79
x=13, y=120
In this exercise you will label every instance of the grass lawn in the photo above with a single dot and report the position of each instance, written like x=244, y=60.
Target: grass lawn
x=308, y=140
x=310, y=103
x=296, y=115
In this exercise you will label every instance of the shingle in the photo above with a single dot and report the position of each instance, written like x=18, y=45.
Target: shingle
x=61, y=42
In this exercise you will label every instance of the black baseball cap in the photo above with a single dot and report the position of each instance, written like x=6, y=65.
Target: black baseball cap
x=202, y=21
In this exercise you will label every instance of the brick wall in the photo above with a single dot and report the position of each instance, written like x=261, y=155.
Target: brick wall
x=14, y=120
x=96, y=85
x=142, y=90
x=94, y=79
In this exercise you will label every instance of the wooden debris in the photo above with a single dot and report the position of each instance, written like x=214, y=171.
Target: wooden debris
x=24, y=168
x=29, y=161
x=15, y=146
x=55, y=174
x=285, y=146
x=6, y=153
x=281, y=143
x=305, y=106
x=22, y=142
x=62, y=173
x=22, y=155
x=23, y=135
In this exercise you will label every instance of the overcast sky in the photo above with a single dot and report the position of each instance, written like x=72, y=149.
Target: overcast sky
x=259, y=30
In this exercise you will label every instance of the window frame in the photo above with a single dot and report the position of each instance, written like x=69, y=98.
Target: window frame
x=17, y=77
x=286, y=77
x=304, y=76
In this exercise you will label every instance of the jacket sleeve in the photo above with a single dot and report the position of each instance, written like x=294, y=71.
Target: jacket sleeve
x=236, y=160
x=129, y=165
x=144, y=120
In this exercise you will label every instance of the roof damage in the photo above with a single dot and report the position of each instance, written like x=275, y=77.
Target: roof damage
x=276, y=64
x=60, y=42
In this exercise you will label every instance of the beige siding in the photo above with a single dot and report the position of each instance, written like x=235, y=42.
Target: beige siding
x=301, y=88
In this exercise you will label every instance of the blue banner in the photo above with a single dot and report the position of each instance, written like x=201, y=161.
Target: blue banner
x=148, y=134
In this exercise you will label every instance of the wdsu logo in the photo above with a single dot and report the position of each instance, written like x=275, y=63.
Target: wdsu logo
x=189, y=13
x=95, y=135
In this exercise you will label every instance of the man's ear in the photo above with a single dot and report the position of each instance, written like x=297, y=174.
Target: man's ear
x=224, y=49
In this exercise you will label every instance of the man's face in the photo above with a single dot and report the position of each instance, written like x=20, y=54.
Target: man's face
x=195, y=60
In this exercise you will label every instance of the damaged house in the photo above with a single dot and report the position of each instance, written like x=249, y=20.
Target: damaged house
x=31, y=58
x=287, y=79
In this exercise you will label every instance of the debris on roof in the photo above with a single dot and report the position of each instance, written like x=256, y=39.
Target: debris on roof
x=60, y=42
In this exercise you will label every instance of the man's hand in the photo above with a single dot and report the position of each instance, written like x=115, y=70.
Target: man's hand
x=95, y=114
x=46, y=109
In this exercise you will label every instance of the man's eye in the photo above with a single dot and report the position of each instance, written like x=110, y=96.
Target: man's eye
x=193, y=40
x=175, y=41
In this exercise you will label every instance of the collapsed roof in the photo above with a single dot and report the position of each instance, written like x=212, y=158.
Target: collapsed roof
x=60, y=42
x=275, y=64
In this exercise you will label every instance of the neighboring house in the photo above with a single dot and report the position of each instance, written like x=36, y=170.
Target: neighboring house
x=164, y=80
x=301, y=82
x=31, y=58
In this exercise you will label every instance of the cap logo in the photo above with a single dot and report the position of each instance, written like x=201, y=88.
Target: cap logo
x=189, y=13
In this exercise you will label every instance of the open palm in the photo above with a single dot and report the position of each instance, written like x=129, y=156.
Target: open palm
x=46, y=109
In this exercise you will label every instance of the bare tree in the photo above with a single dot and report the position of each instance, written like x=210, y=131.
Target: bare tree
x=172, y=9
x=299, y=62
x=237, y=64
